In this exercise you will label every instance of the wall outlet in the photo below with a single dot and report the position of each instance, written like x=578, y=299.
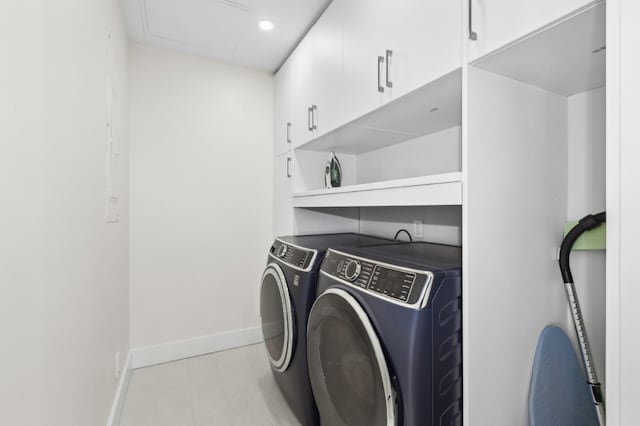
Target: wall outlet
x=117, y=365
x=417, y=229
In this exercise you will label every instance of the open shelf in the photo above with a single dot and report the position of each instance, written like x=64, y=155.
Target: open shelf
x=432, y=108
x=565, y=57
x=435, y=190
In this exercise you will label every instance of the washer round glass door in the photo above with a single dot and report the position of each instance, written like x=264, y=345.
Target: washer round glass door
x=347, y=368
x=277, y=317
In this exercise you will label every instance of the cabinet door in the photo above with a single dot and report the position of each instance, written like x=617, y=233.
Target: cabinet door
x=499, y=22
x=282, y=110
x=282, y=203
x=328, y=71
x=303, y=89
x=424, y=39
x=365, y=38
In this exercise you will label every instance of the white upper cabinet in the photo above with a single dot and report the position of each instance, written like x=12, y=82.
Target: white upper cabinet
x=392, y=48
x=499, y=22
x=424, y=39
x=328, y=73
x=317, y=73
x=282, y=110
x=362, y=54
x=303, y=89
x=365, y=41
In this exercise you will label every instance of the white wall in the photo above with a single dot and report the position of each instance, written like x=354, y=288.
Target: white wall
x=586, y=194
x=63, y=270
x=201, y=194
x=440, y=224
x=431, y=154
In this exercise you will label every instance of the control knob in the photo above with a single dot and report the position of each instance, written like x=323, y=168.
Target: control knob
x=282, y=251
x=352, y=270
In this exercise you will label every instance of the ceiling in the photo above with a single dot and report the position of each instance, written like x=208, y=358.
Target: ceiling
x=226, y=30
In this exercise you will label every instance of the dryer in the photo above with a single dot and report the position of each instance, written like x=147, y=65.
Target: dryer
x=287, y=293
x=384, y=336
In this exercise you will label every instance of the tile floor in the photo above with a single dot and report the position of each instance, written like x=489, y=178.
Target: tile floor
x=233, y=387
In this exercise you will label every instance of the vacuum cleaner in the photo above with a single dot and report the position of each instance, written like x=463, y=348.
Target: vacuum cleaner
x=558, y=393
x=587, y=223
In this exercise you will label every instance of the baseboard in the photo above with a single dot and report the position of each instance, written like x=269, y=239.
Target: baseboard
x=121, y=394
x=180, y=349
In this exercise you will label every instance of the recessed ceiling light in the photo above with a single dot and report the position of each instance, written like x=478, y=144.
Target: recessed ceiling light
x=265, y=25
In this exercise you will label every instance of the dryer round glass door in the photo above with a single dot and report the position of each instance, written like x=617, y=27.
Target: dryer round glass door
x=277, y=317
x=347, y=368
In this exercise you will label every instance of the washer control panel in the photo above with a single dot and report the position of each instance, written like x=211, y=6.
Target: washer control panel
x=388, y=281
x=352, y=270
x=291, y=255
x=391, y=282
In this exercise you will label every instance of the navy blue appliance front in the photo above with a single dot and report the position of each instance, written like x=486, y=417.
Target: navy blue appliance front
x=414, y=307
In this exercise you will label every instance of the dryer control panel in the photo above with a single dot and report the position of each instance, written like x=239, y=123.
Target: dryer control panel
x=402, y=285
x=295, y=256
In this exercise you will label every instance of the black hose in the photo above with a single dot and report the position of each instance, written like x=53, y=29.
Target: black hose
x=405, y=231
x=587, y=223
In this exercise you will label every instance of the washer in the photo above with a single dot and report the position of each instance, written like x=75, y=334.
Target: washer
x=287, y=293
x=384, y=336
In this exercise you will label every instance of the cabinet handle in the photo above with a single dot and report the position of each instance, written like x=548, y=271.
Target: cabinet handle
x=288, y=132
x=380, y=62
x=389, y=55
x=309, y=118
x=314, y=112
x=288, y=167
x=472, y=34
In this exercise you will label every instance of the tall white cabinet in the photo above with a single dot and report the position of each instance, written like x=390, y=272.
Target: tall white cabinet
x=514, y=206
x=283, y=206
x=623, y=210
x=283, y=136
x=460, y=114
x=520, y=111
